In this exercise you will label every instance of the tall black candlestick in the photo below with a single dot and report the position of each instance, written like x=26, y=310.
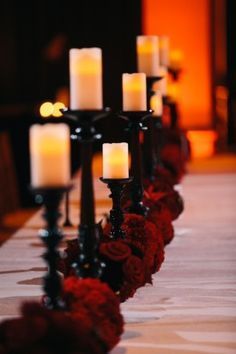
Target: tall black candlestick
x=87, y=265
x=135, y=119
x=51, y=197
x=150, y=157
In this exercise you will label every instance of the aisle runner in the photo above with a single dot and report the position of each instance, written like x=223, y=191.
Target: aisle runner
x=192, y=306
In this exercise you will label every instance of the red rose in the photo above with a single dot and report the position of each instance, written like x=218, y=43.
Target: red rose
x=174, y=202
x=116, y=250
x=133, y=269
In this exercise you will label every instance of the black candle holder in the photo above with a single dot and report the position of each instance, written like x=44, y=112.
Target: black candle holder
x=158, y=139
x=87, y=265
x=51, y=197
x=150, y=158
x=136, y=119
x=175, y=73
x=67, y=222
x=116, y=186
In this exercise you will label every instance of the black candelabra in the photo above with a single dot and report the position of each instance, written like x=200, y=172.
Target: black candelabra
x=136, y=119
x=87, y=264
x=151, y=159
x=51, y=197
x=116, y=186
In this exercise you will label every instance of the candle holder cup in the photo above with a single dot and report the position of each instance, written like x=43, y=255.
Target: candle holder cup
x=136, y=120
x=175, y=73
x=87, y=264
x=51, y=236
x=116, y=186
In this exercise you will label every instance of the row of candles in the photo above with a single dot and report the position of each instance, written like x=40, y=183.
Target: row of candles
x=49, y=144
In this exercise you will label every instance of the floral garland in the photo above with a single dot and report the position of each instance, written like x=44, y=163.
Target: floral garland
x=130, y=263
x=91, y=324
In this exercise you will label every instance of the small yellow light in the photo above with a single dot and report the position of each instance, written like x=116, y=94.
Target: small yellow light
x=56, y=109
x=46, y=109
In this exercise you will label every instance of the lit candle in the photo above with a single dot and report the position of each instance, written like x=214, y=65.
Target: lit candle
x=161, y=84
x=148, y=55
x=86, y=78
x=50, y=155
x=115, y=160
x=156, y=104
x=176, y=59
x=134, y=92
x=164, y=50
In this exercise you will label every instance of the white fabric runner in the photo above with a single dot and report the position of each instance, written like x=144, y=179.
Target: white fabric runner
x=191, y=307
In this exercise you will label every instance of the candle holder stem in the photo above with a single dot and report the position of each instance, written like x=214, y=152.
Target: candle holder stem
x=116, y=187
x=159, y=139
x=135, y=120
x=51, y=237
x=87, y=264
x=67, y=222
x=149, y=151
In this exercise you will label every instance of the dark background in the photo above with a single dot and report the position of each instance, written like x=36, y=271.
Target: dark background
x=30, y=73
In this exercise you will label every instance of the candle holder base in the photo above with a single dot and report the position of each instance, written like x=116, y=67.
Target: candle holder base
x=88, y=265
x=116, y=186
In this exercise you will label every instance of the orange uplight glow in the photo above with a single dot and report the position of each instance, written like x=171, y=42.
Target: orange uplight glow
x=202, y=143
x=187, y=24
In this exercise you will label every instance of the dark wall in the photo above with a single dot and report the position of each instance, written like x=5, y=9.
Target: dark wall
x=30, y=73
x=35, y=37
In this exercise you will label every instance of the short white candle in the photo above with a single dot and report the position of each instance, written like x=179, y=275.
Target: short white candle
x=161, y=84
x=156, y=104
x=148, y=55
x=115, y=160
x=86, y=78
x=164, y=47
x=134, y=92
x=50, y=155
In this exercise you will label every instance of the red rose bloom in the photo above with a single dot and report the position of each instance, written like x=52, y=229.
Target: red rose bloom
x=116, y=250
x=134, y=271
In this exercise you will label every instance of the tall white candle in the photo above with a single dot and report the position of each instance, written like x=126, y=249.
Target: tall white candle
x=148, y=55
x=134, y=92
x=86, y=78
x=50, y=155
x=156, y=104
x=162, y=84
x=115, y=160
x=164, y=48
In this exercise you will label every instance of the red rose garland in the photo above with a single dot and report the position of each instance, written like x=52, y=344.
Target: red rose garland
x=92, y=323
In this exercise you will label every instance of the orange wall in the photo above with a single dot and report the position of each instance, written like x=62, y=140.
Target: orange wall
x=187, y=23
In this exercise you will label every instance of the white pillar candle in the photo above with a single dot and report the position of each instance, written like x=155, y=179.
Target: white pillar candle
x=134, y=92
x=164, y=48
x=156, y=104
x=161, y=84
x=50, y=155
x=115, y=160
x=148, y=55
x=86, y=78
